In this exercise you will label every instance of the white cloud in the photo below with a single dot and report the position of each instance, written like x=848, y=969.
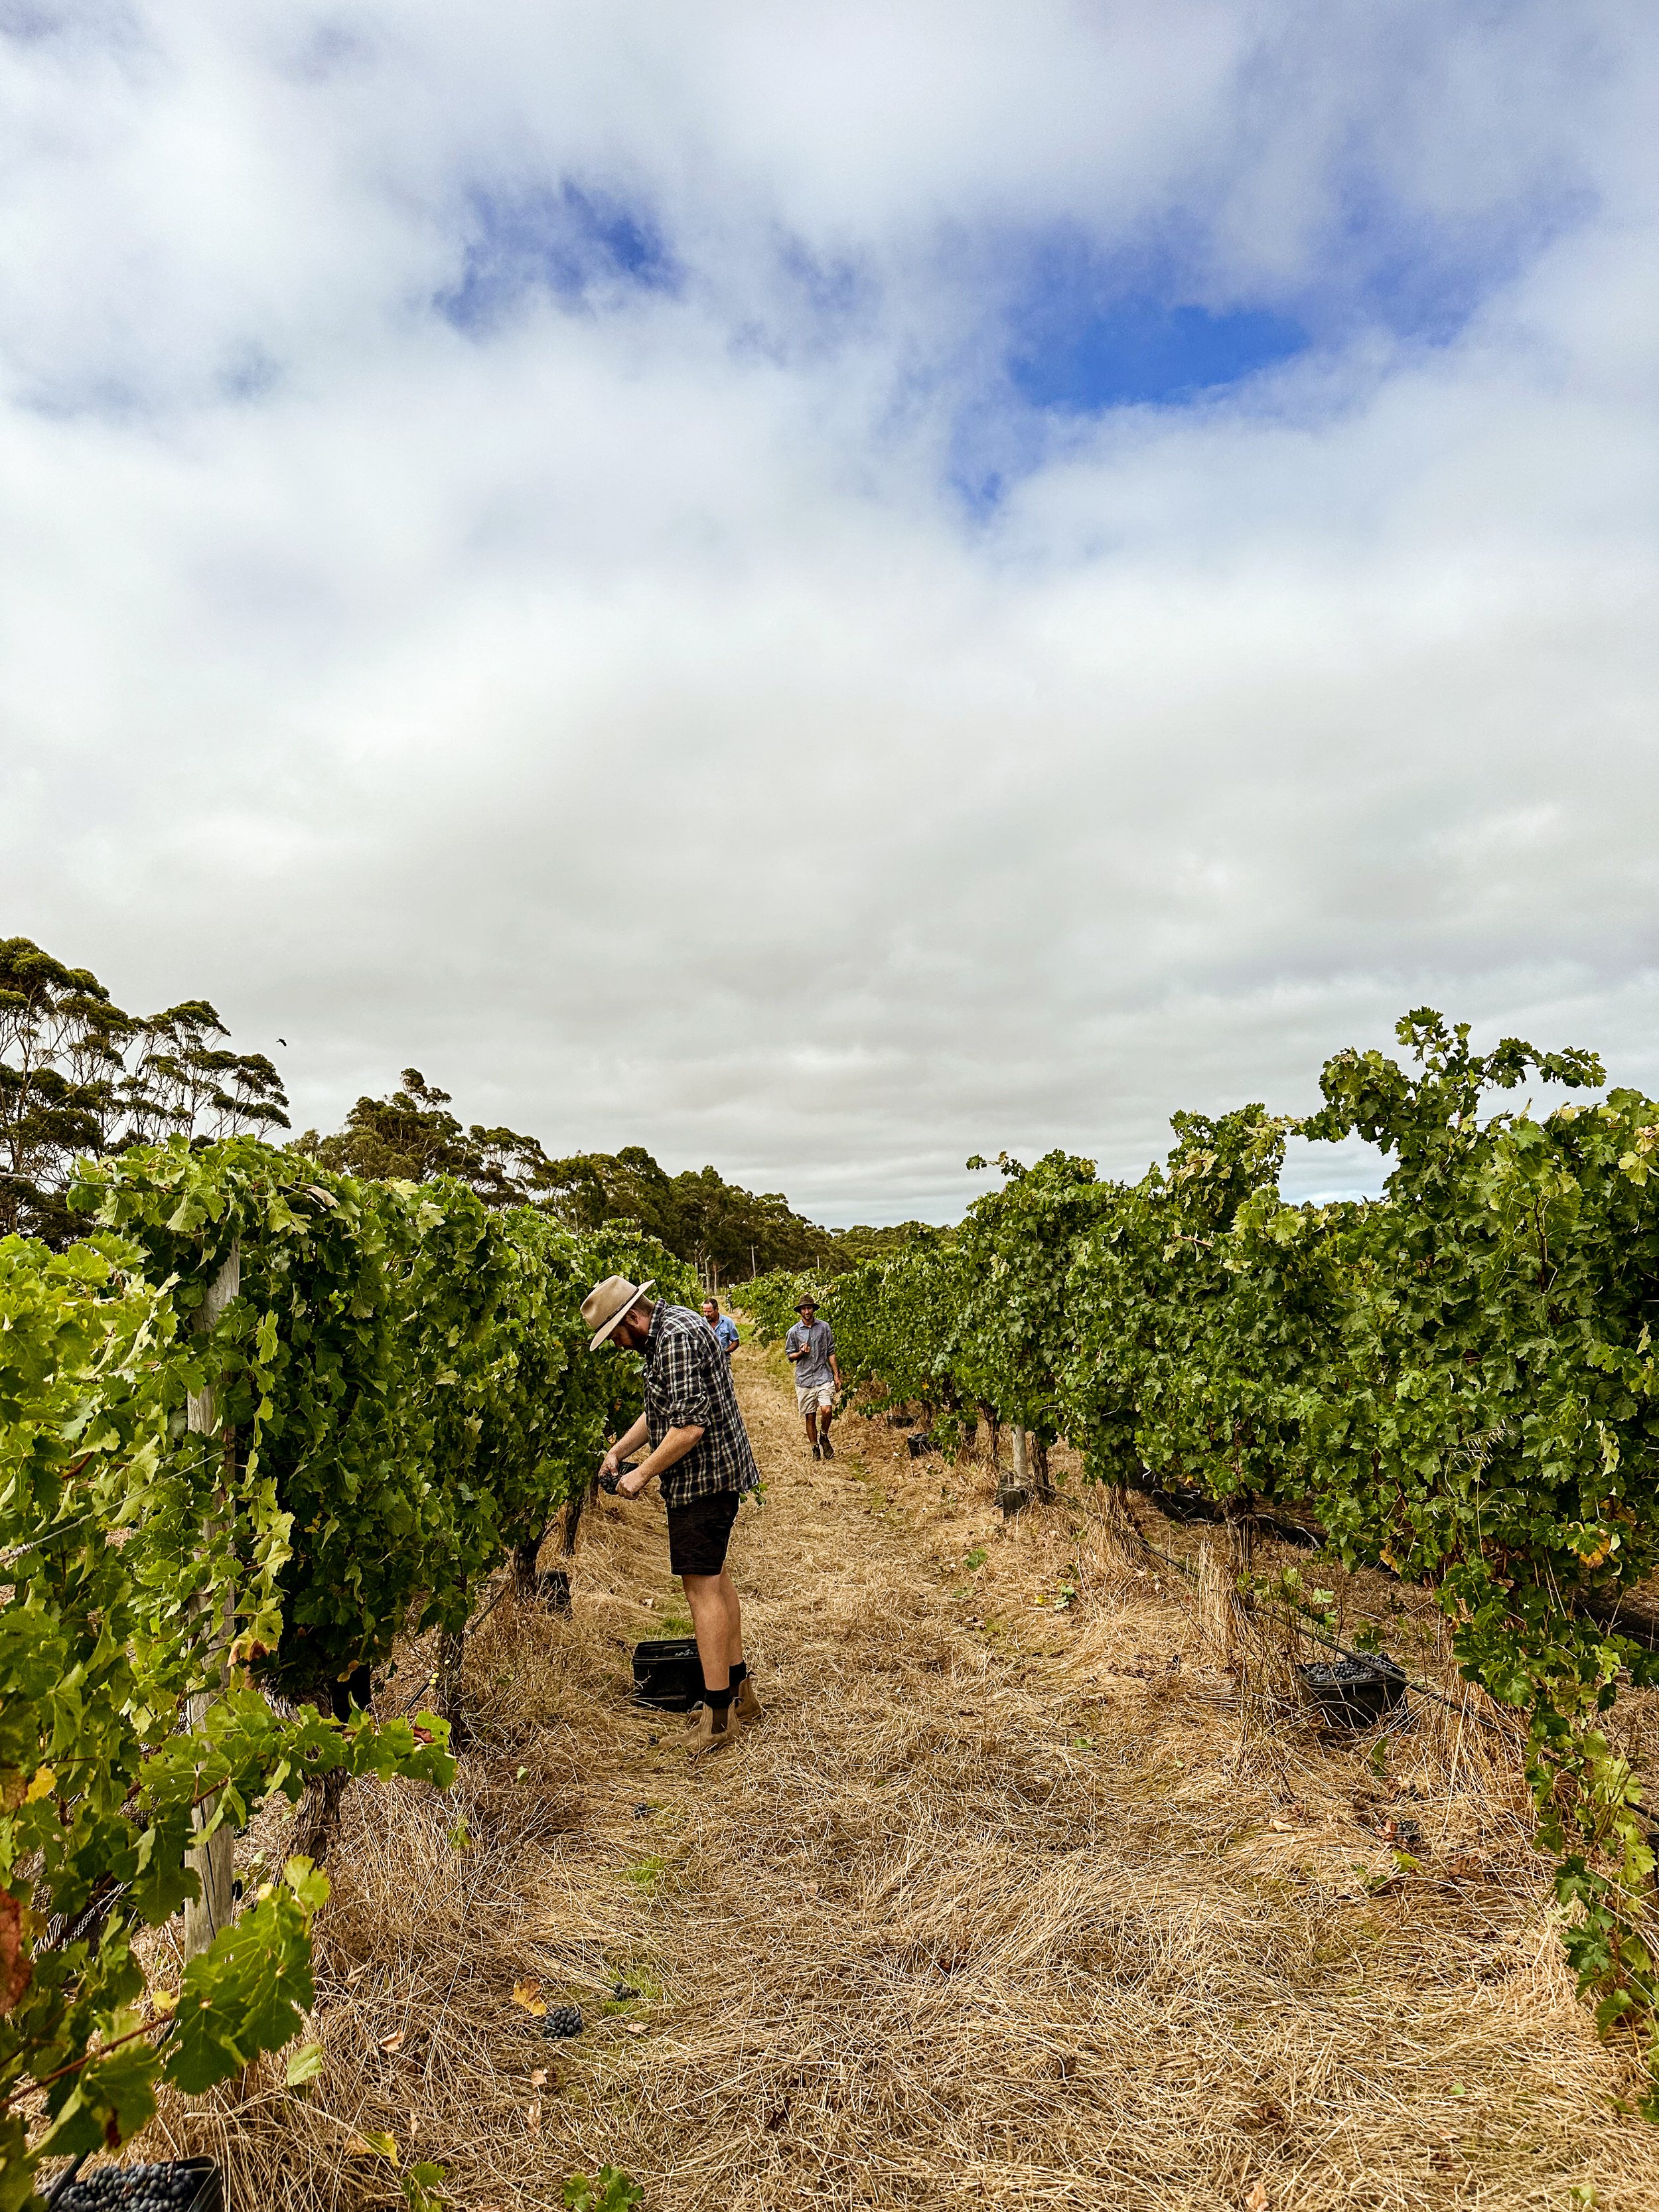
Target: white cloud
x=616, y=711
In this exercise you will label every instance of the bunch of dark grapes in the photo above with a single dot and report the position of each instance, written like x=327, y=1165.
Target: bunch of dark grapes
x=562, y=2020
x=166, y=2188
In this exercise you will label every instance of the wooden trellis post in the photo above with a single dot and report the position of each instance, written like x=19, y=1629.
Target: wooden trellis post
x=1017, y=1491
x=214, y=1861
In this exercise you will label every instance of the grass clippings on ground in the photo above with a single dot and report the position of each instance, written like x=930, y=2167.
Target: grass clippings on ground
x=1016, y=1897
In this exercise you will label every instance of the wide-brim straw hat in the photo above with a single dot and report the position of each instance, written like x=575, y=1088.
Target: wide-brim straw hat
x=610, y=1302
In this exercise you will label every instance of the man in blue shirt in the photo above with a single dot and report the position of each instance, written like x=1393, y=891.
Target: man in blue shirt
x=722, y=1324
x=810, y=1348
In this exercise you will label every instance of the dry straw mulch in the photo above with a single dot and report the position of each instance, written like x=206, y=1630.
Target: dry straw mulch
x=1015, y=1897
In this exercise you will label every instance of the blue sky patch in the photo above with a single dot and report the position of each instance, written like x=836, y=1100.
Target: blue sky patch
x=1139, y=351
x=1091, y=324
x=564, y=241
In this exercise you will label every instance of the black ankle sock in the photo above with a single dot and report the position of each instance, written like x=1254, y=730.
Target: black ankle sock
x=739, y=1670
x=720, y=1699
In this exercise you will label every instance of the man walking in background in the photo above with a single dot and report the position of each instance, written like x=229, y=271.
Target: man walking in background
x=810, y=1348
x=700, y=1454
x=722, y=1324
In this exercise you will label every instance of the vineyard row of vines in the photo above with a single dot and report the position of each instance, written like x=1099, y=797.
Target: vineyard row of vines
x=258, y=1423
x=1456, y=1381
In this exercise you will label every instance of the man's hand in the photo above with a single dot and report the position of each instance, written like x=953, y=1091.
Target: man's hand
x=612, y=1481
x=669, y=1453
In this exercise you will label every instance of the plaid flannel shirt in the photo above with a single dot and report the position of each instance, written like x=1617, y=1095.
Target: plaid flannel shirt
x=688, y=1384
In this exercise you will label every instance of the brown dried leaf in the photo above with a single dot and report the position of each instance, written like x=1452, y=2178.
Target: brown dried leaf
x=529, y=1995
x=16, y=1971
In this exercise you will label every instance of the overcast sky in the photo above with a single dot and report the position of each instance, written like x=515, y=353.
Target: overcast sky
x=823, y=588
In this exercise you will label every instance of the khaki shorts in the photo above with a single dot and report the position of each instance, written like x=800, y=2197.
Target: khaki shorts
x=808, y=1394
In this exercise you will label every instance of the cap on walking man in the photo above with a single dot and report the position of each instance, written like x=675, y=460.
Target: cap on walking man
x=700, y=1454
x=810, y=1348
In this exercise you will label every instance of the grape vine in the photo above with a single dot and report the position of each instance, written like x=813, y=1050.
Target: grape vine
x=401, y=1401
x=1457, y=1378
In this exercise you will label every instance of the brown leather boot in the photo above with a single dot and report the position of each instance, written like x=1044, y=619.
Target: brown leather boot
x=711, y=1727
x=746, y=1705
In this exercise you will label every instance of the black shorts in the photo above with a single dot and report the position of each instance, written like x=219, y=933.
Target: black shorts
x=698, y=1533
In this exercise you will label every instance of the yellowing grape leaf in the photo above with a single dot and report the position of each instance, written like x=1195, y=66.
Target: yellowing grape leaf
x=304, y=2065
x=529, y=1995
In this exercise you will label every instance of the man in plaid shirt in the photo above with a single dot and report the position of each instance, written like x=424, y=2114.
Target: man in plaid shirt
x=700, y=1454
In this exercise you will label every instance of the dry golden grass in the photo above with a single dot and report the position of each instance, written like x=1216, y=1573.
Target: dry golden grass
x=1001, y=1904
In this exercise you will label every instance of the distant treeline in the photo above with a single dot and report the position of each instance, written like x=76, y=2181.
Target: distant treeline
x=80, y=1076
x=725, y=1231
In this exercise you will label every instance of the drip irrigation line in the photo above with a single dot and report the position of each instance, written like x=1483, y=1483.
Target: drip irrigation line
x=483, y=1615
x=1648, y=1823
x=1365, y=1658
x=477, y=1618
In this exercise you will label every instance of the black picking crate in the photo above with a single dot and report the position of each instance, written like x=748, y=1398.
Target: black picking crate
x=668, y=1673
x=1186, y=1506
x=179, y=2184
x=357, y=1688
x=1354, y=1694
x=553, y=1588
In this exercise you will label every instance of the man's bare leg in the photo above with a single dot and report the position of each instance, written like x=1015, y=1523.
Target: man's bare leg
x=712, y=1599
x=810, y=1418
x=734, y=1615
